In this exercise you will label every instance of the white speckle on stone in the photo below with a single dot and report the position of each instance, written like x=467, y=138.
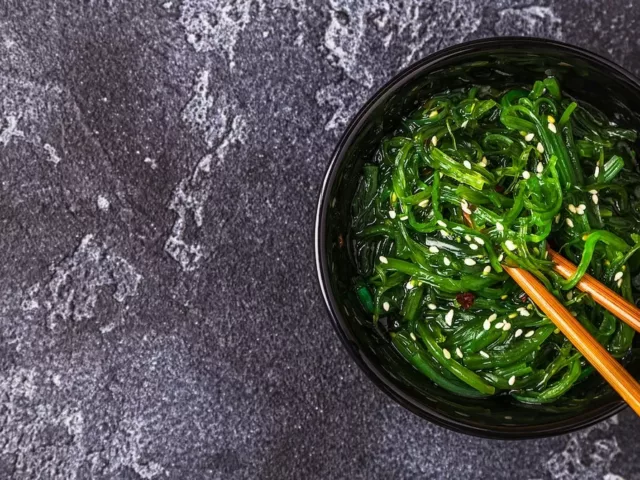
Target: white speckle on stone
x=103, y=203
x=52, y=154
x=152, y=162
x=9, y=130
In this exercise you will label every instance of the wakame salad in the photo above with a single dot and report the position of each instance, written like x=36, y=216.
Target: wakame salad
x=477, y=178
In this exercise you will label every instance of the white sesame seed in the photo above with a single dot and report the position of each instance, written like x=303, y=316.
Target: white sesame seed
x=618, y=276
x=582, y=207
x=486, y=325
x=465, y=206
x=487, y=270
x=467, y=237
x=441, y=223
x=499, y=325
x=432, y=306
x=558, y=217
x=593, y=191
x=529, y=136
x=512, y=380
x=569, y=222
x=492, y=317
x=596, y=172
x=594, y=198
x=446, y=261
x=552, y=127
x=385, y=305
x=434, y=140
x=464, y=124
x=392, y=214
x=383, y=260
x=469, y=261
x=510, y=245
x=529, y=333
x=507, y=326
x=473, y=246
x=619, y=283
x=467, y=164
x=409, y=285
x=434, y=113
x=404, y=218
x=524, y=312
x=499, y=227
x=572, y=208
x=526, y=175
x=518, y=332
x=448, y=318
x=440, y=174
x=434, y=249
x=413, y=336
x=484, y=162
x=550, y=119
x=478, y=240
x=501, y=257
x=540, y=147
x=569, y=295
x=539, y=167
x=467, y=210
x=423, y=203
x=458, y=352
x=446, y=353
x=484, y=354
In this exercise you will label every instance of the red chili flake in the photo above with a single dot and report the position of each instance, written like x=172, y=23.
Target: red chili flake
x=499, y=188
x=465, y=300
x=523, y=297
x=340, y=241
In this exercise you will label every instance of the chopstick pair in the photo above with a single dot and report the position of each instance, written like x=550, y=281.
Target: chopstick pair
x=610, y=369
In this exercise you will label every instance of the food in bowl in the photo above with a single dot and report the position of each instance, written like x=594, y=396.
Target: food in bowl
x=476, y=177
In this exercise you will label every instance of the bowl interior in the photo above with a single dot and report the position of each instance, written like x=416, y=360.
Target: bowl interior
x=500, y=63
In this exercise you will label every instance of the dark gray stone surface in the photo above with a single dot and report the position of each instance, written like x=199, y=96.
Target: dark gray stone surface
x=160, y=164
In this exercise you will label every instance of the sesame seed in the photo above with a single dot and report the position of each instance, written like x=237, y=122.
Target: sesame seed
x=413, y=336
x=487, y=270
x=383, y=260
x=409, y=285
x=492, y=317
x=441, y=223
x=501, y=257
x=484, y=162
x=464, y=124
x=392, y=214
x=478, y=240
x=526, y=175
x=510, y=245
x=507, y=326
x=458, y=352
x=528, y=137
x=473, y=246
x=569, y=295
x=499, y=325
x=594, y=198
x=423, y=203
x=569, y=222
x=434, y=249
x=512, y=380
x=444, y=233
x=550, y=119
x=499, y=227
x=512, y=315
x=596, y=172
x=467, y=237
x=572, y=208
x=593, y=192
x=440, y=174
x=446, y=353
x=524, y=312
x=469, y=261
x=556, y=331
x=518, y=332
x=394, y=197
x=580, y=207
x=434, y=140
x=434, y=113
x=552, y=127
x=448, y=318
x=558, y=217
x=504, y=297
x=465, y=206
x=486, y=325
x=385, y=305
x=540, y=147
x=467, y=164
x=529, y=333
x=446, y=261
x=539, y=167
x=432, y=306
x=619, y=283
x=484, y=354
x=618, y=276
x=404, y=218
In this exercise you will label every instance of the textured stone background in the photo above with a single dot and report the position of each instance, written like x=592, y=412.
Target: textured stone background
x=160, y=164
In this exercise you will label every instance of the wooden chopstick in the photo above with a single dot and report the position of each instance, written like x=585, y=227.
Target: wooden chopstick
x=614, y=373
x=601, y=294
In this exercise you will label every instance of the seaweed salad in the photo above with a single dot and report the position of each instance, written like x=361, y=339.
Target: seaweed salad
x=476, y=178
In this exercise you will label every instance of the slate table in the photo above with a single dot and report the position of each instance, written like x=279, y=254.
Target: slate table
x=159, y=169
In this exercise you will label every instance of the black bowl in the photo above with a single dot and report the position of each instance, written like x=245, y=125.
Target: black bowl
x=501, y=62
